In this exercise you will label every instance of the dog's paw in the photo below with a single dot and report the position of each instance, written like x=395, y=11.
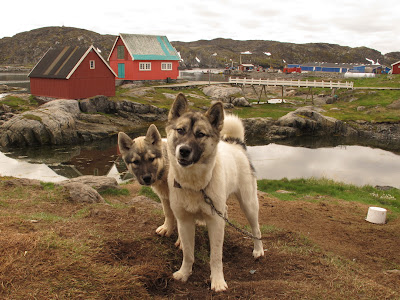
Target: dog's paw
x=178, y=275
x=258, y=253
x=218, y=285
x=164, y=230
x=178, y=243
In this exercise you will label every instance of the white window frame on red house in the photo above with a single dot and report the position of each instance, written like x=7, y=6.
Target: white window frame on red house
x=92, y=64
x=166, y=66
x=145, y=66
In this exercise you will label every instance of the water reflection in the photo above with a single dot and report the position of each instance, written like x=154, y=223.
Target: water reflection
x=350, y=164
x=15, y=79
x=23, y=169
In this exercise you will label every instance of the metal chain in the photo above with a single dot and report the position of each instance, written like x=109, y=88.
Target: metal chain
x=208, y=200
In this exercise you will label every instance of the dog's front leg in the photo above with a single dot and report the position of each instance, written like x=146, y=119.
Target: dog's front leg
x=186, y=231
x=216, y=227
x=169, y=223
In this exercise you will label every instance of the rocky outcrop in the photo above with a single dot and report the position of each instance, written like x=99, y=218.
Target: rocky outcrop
x=226, y=94
x=309, y=121
x=52, y=123
x=305, y=121
x=69, y=121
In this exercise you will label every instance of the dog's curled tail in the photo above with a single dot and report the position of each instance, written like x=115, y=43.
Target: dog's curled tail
x=233, y=129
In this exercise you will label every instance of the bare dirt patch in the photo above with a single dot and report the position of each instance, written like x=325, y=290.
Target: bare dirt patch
x=320, y=248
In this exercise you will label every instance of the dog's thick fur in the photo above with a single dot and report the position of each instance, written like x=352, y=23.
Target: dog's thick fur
x=146, y=158
x=199, y=160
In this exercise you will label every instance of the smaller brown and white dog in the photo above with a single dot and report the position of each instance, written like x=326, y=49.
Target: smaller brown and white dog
x=147, y=159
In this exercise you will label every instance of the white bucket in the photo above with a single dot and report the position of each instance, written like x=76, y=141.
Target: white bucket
x=376, y=215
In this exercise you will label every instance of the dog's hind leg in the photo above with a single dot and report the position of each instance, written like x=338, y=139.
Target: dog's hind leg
x=216, y=227
x=248, y=200
x=186, y=231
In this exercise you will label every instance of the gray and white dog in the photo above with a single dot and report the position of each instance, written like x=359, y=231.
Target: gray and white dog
x=203, y=164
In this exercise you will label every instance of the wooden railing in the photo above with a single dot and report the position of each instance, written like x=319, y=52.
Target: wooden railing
x=292, y=83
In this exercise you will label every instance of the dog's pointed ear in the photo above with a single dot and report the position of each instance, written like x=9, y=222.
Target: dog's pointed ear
x=153, y=135
x=215, y=115
x=179, y=107
x=124, y=143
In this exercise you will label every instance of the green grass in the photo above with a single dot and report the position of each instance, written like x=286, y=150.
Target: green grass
x=274, y=111
x=32, y=117
x=47, y=185
x=149, y=193
x=378, y=81
x=13, y=102
x=312, y=189
x=156, y=97
x=374, y=103
x=19, y=104
x=45, y=216
x=115, y=192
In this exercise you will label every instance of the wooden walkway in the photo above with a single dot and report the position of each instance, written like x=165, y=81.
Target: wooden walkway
x=292, y=83
x=310, y=84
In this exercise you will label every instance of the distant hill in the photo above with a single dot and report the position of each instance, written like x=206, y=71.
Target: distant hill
x=228, y=49
x=26, y=48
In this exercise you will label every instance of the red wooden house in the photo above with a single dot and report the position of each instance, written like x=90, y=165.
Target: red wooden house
x=144, y=57
x=396, y=68
x=72, y=73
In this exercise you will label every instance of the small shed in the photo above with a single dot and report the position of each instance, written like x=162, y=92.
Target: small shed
x=246, y=67
x=396, y=68
x=144, y=57
x=72, y=73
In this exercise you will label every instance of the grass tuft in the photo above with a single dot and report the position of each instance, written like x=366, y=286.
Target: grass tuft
x=148, y=192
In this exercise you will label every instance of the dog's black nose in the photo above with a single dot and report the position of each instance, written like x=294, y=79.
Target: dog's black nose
x=146, y=179
x=185, y=151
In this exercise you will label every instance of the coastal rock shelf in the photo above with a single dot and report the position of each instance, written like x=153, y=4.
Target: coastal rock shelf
x=71, y=121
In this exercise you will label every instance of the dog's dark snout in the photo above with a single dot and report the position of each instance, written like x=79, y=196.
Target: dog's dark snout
x=146, y=178
x=185, y=151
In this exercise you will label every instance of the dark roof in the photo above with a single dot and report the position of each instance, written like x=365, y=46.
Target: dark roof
x=148, y=47
x=60, y=63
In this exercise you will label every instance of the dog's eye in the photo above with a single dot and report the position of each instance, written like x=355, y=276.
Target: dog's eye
x=151, y=159
x=181, y=131
x=200, y=134
x=136, y=162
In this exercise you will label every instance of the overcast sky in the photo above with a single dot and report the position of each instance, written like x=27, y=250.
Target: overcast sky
x=370, y=23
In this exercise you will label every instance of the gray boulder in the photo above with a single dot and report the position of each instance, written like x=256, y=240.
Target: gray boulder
x=95, y=104
x=52, y=123
x=80, y=192
x=222, y=93
x=394, y=105
x=242, y=101
x=99, y=183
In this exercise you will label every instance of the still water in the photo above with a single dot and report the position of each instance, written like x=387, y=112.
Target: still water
x=15, y=79
x=353, y=164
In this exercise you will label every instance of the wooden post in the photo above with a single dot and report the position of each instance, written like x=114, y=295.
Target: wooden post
x=312, y=96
